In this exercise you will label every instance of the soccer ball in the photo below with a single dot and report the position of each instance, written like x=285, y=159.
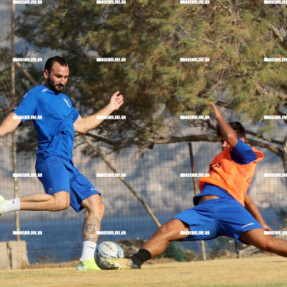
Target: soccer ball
x=107, y=249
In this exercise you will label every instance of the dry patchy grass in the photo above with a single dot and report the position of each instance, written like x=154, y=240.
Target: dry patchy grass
x=263, y=271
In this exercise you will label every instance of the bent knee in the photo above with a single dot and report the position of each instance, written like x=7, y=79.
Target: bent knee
x=100, y=206
x=94, y=203
x=61, y=201
x=171, y=230
x=165, y=230
x=63, y=205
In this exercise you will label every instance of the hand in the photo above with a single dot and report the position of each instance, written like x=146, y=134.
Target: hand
x=266, y=227
x=116, y=101
x=217, y=113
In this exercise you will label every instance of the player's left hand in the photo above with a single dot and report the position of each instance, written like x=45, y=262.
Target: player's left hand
x=266, y=227
x=217, y=112
x=116, y=101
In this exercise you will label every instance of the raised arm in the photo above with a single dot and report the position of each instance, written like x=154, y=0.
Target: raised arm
x=9, y=124
x=83, y=125
x=253, y=209
x=226, y=130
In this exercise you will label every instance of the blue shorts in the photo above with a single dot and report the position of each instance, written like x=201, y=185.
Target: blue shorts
x=216, y=217
x=59, y=174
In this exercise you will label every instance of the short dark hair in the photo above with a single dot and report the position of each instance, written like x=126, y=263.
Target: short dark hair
x=56, y=59
x=237, y=127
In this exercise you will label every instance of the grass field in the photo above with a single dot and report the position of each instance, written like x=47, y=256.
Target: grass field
x=262, y=271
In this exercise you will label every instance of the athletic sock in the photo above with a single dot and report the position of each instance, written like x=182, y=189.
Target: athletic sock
x=89, y=249
x=142, y=256
x=10, y=205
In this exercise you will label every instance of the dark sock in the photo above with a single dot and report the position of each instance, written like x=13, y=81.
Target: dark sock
x=142, y=256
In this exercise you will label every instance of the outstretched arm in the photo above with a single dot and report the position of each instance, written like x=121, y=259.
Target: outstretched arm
x=9, y=124
x=83, y=125
x=226, y=130
x=253, y=209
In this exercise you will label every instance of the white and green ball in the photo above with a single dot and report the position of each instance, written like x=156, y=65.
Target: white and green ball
x=107, y=249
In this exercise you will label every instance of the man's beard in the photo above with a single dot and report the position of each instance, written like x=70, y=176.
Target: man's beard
x=50, y=84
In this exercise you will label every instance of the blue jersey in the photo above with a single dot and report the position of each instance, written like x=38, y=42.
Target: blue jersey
x=241, y=154
x=54, y=120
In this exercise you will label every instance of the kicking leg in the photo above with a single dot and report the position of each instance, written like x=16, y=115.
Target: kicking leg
x=170, y=231
x=257, y=238
x=174, y=230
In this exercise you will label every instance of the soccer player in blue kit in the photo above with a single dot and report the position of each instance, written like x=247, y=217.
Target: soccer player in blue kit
x=224, y=206
x=55, y=124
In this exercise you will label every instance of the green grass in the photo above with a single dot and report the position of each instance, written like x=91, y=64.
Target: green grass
x=263, y=271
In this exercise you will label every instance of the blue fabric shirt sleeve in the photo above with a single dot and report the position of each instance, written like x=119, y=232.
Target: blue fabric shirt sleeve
x=242, y=153
x=27, y=107
x=75, y=114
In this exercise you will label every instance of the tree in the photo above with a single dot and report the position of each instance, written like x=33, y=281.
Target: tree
x=153, y=36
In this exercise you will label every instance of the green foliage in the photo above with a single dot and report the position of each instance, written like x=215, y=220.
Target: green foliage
x=5, y=80
x=224, y=246
x=153, y=36
x=190, y=255
x=175, y=252
x=282, y=214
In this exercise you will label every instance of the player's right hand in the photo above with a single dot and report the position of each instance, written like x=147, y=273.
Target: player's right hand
x=116, y=101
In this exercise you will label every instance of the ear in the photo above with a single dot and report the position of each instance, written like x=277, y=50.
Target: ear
x=46, y=74
x=243, y=139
